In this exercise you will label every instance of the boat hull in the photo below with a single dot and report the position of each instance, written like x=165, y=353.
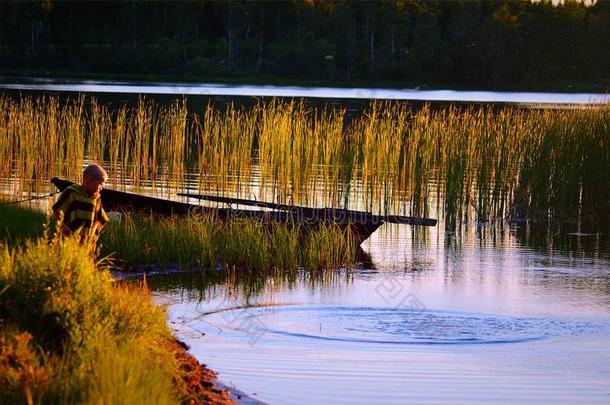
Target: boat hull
x=361, y=227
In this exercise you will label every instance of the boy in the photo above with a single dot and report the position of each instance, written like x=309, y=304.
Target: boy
x=81, y=205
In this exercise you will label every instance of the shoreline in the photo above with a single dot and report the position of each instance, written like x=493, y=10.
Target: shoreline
x=204, y=381
x=201, y=382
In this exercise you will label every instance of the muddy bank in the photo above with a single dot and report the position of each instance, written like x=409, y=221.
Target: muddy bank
x=198, y=383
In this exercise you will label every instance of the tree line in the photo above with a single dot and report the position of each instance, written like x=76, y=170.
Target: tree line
x=468, y=43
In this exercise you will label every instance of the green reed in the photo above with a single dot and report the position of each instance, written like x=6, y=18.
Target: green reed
x=462, y=163
x=245, y=244
x=224, y=143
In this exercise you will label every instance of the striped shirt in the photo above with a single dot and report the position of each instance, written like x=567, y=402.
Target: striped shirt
x=79, y=209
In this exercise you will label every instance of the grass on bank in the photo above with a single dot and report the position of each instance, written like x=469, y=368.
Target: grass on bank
x=203, y=242
x=69, y=335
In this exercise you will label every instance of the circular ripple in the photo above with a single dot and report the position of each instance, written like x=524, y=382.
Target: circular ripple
x=392, y=325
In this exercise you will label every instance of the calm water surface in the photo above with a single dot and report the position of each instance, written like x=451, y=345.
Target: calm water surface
x=487, y=314
x=208, y=89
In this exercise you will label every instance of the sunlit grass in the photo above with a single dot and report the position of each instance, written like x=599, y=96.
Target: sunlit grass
x=70, y=335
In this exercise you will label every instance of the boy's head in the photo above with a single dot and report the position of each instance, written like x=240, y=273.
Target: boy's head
x=94, y=177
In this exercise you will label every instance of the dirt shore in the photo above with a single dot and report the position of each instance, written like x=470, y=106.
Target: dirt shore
x=198, y=385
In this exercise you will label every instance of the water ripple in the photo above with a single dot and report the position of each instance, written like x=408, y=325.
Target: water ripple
x=396, y=325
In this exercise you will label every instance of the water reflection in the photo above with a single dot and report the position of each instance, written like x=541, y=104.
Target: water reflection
x=461, y=310
x=497, y=259
x=244, y=287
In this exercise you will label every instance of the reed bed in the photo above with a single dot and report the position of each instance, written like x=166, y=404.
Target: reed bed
x=243, y=244
x=463, y=164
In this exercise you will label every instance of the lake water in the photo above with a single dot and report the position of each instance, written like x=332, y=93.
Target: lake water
x=491, y=313
x=207, y=89
x=485, y=315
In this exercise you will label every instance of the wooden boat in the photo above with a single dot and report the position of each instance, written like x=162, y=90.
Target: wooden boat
x=362, y=224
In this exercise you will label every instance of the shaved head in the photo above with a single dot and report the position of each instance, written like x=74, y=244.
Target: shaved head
x=95, y=171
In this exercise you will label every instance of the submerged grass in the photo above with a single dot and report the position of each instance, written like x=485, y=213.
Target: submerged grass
x=473, y=162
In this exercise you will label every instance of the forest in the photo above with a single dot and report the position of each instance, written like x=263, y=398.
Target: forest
x=478, y=44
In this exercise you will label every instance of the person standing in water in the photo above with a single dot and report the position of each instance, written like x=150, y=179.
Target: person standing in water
x=79, y=206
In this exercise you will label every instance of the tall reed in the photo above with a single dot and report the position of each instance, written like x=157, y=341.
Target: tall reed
x=462, y=163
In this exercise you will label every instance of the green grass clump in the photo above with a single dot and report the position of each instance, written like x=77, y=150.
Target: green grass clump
x=206, y=242
x=19, y=223
x=68, y=334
